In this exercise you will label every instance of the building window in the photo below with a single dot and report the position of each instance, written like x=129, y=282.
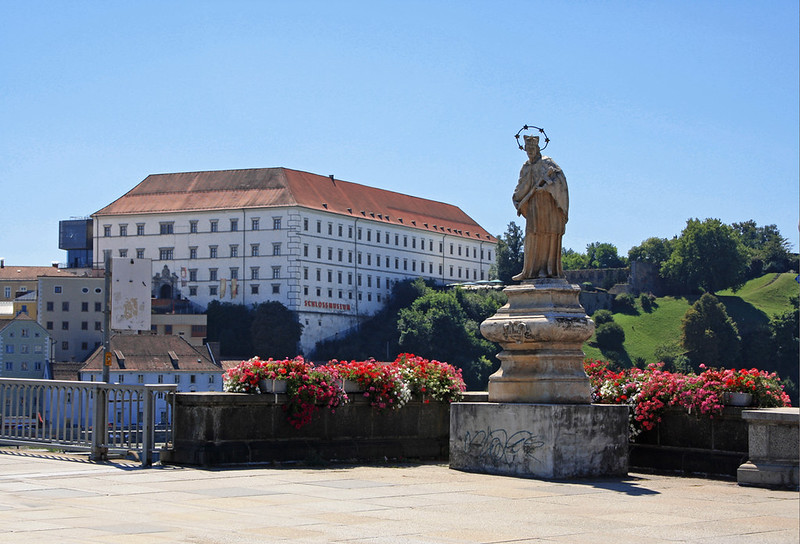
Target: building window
x=166, y=228
x=98, y=326
x=330, y=253
x=330, y=229
x=49, y=306
x=160, y=378
x=305, y=223
x=359, y=233
x=168, y=329
x=193, y=227
x=65, y=306
x=139, y=229
x=214, y=225
x=123, y=230
x=234, y=225
x=177, y=378
x=276, y=249
x=319, y=252
x=84, y=325
x=98, y=306
x=330, y=276
x=212, y=274
x=339, y=228
x=305, y=273
x=340, y=255
x=276, y=288
x=65, y=345
x=65, y=325
x=305, y=290
x=234, y=250
x=123, y=253
x=253, y=288
x=276, y=223
x=319, y=227
x=305, y=250
x=254, y=223
x=192, y=290
x=451, y=249
x=57, y=289
x=212, y=290
x=192, y=252
x=349, y=231
x=9, y=348
x=212, y=252
x=459, y=250
x=339, y=277
x=254, y=250
x=106, y=230
x=254, y=273
x=234, y=273
x=9, y=365
x=349, y=278
x=165, y=253
x=210, y=378
x=319, y=277
x=350, y=257
x=140, y=253
x=276, y=272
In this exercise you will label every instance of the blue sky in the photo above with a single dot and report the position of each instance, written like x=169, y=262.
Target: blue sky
x=657, y=111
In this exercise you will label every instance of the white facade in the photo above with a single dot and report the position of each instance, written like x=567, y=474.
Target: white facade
x=331, y=269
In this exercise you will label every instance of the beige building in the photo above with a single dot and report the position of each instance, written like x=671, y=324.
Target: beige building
x=190, y=327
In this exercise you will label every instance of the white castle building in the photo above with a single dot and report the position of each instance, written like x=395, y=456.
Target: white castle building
x=328, y=249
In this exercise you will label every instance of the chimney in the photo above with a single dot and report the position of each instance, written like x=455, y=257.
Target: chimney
x=2, y=263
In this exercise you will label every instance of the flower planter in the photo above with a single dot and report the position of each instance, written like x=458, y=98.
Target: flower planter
x=737, y=399
x=351, y=386
x=272, y=386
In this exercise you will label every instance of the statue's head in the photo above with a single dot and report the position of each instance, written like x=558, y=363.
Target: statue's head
x=532, y=147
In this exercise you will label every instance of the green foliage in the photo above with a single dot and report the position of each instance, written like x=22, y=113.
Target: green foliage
x=769, y=251
x=229, y=324
x=275, y=330
x=602, y=316
x=646, y=301
x=604, y=255
x=587, y=286
x=444, y=325
x=510, y=253
x=708, y=334
x=653, y=250
x=624, y=303
x=572, y=260
x=786, y=346
x=708, y=256
x=610, y=335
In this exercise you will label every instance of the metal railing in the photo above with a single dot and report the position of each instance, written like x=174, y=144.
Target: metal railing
x=66, y=415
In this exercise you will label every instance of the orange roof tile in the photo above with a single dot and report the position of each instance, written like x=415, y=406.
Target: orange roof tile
x=272, y=187
x=29, y=273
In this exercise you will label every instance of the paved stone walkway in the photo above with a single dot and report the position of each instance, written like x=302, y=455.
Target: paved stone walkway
x=51, y=498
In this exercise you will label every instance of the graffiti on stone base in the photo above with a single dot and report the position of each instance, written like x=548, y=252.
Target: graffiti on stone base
x=497, y=446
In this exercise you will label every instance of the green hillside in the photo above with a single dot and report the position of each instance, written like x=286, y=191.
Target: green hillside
x=752, y=305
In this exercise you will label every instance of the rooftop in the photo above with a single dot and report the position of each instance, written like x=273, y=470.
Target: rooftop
x=30, y=273
x=152, y=353
x=50, y=497
x=273, y=187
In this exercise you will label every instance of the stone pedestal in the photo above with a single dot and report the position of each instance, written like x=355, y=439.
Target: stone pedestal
x=774, y=454
x=541, y=329
x=555, y=441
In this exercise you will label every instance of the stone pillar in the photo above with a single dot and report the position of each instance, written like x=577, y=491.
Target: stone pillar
x=541, y=330
x=773, y=443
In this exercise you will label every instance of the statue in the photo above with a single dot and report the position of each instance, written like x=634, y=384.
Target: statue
x=541, y=196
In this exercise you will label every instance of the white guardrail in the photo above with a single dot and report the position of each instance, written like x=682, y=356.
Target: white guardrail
x=65, y=415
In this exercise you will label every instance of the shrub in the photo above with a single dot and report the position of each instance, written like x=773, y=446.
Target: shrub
x=646, y=302
x=602, y=316
x=624, y=303
x=587, y=286
x=610, y=335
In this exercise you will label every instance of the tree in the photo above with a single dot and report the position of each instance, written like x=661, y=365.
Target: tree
x=708, y=255
x=769, y=250
x=786, y=347
x=610, y=335
x=652, y=250
x=436, y=326
x=510, y=253
x=229, y=324
x=572, y=260
x=708, y=334
x=275, y=330
x=602, y=316
x=604, y=255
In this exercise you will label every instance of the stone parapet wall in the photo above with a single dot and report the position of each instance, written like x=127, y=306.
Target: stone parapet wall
x=214, y=429
x=691, y=444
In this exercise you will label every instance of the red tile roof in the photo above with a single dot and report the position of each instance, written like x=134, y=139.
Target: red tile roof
x=30, y=273
x=152, y=353
x=272, y=187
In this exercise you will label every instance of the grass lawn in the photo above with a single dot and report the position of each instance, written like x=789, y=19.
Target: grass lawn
x=751, y=306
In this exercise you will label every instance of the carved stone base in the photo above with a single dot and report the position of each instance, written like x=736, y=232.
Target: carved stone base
x=542, y=329
x=539, y=440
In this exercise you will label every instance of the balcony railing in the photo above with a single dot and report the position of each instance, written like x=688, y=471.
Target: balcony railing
x=67, y=415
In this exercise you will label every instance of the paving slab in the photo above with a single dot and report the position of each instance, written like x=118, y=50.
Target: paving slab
x=50, y=497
